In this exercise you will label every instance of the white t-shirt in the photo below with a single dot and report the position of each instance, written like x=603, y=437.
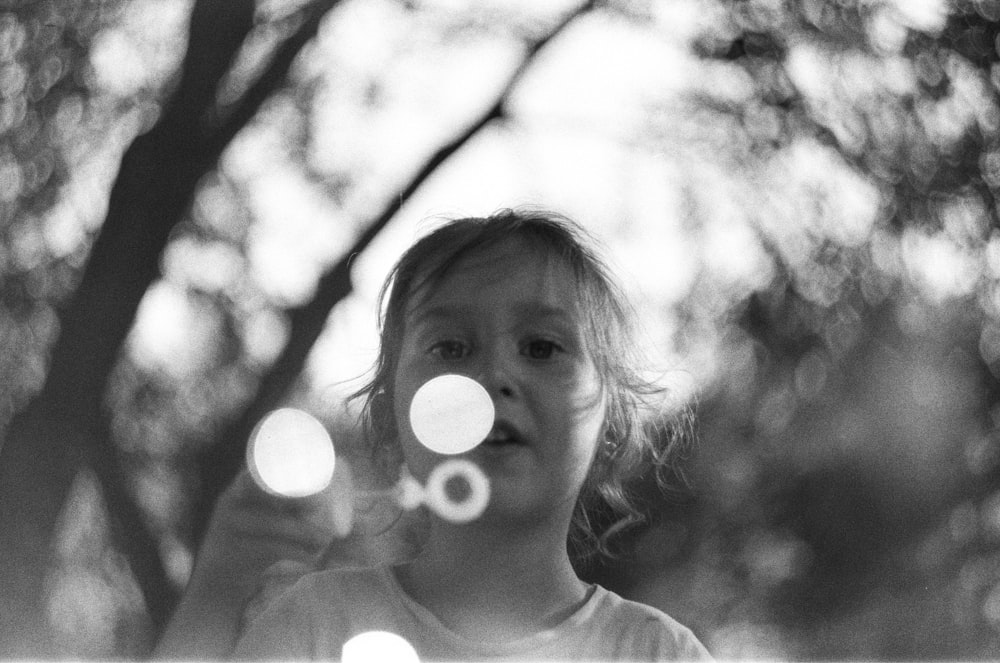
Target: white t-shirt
x=319, y=613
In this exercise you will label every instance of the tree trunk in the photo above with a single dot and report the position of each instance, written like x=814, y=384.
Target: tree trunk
x=46, y=443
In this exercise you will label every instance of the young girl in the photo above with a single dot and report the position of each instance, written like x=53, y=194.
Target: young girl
x=520, y=303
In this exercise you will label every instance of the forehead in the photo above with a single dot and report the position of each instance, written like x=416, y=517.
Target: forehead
x=512, y=270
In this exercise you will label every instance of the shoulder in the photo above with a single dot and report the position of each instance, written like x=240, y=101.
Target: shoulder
x=321, y=595
x=295, y=579
x=322, y=587
x=288, y=592
x=298, y=615
x=646, y=632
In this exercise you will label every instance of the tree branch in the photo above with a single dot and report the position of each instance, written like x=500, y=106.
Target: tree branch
x=153, y=190
x=276, y=73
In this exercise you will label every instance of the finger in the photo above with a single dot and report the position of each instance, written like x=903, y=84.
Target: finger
x=330, y=512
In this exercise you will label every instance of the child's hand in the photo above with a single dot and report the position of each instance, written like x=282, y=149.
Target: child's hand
x=251, y=530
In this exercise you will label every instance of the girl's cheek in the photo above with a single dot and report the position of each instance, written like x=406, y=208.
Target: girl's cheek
x=572, y=378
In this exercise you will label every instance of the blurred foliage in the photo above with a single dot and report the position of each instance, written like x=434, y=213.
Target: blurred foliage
x=836, y=164
x=43, y=49
x=849, y=459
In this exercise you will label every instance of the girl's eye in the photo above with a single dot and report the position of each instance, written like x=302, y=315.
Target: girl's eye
x=449, y=350
x=541, y=349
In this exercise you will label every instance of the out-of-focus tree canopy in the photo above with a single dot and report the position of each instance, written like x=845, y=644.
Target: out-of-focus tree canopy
x=801, y=195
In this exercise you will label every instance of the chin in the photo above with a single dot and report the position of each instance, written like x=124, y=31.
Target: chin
x=515, y=509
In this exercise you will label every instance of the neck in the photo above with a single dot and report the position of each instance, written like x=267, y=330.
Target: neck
x=492, y=582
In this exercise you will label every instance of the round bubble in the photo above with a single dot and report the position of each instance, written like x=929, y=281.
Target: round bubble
x=471, y=505
x=378, y=647
x=290, y=454
x=451, y=414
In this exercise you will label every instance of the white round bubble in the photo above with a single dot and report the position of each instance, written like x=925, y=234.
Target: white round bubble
x=464, y=510
x=290, y=453
x=451, y=414
x=378, y=647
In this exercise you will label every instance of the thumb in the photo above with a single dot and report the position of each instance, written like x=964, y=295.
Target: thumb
x=332, y=509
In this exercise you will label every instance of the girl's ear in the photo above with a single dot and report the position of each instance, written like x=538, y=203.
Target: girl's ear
x=610, y=442
x=607, y=434
x=609, y=446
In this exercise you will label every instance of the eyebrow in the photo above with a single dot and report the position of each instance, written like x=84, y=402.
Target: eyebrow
x=440, y=312
x=535, y=310
x=527, y=310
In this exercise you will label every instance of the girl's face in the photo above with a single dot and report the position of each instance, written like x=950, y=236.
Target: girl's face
x=508, y=317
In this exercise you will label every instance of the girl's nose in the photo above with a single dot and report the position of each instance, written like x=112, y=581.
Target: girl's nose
x=497, y=376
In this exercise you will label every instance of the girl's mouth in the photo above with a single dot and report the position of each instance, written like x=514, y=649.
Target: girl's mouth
x=503, y=435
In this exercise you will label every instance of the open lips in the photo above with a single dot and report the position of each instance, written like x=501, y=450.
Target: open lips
x=503, y=434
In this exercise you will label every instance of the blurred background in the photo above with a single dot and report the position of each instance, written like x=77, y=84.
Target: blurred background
x=199, y=200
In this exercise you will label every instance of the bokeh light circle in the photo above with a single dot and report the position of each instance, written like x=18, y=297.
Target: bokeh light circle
x=451, y=414
x=378, y=647
x=457, y=511
x=290, y=454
